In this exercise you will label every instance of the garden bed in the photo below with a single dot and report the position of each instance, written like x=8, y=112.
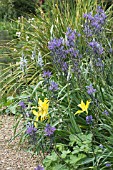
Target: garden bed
x=57, y=88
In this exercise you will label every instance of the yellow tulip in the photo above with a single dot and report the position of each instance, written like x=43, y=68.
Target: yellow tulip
x=42, y=112
x=83, y=106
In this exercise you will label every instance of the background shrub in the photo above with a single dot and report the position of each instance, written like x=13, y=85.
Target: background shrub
x=10, y=9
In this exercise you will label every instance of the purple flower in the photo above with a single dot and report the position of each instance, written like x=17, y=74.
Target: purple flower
x=90, y=89
x=94, y=24
x=47, y=74
x=31, y=130
x=99, y=63
x=49, y=130
x=74, y=53
x=29, y=99
x=101, y=12
x=64, y=66
x=70, y=35
x=89, y=119
x=39, y=168
x=78, y=34
x=96, y=47
x=105, y=112
x=53, y=86
x=64, y=50
x=87, y=30
x=108, y=165
x=55, y=43
x=88, y=16
x=22, y=104
x=111, y=50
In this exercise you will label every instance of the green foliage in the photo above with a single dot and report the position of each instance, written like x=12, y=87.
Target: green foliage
x=75, y=144
x=33, y=35
x=24, y=7
x=6, y=9
x=76, y=157
x=10, y=9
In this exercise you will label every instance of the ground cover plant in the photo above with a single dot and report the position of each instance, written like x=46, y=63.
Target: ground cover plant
x=68, y=112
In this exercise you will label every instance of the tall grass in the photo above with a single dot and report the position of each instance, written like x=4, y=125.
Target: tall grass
x=53, y=21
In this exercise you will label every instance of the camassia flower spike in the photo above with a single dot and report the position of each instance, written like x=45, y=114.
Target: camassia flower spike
x=83, y=106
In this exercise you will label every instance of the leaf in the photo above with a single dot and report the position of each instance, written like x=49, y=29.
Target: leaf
x=16, y=125
x=75, y=126
x=12, y=108
x=60, y=167
x=51, y=31
x=74, y=159
x=35, y=88
x=48, y=161
x=86, y=161
x=65, y=153
x=60, y=146
x=74, y=138
x=62, y=90
x=10, y=98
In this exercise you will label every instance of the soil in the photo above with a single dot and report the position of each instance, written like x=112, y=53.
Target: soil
x=12, y=155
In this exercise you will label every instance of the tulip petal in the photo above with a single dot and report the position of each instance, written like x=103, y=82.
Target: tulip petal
x=79, y=111
x=35, y=112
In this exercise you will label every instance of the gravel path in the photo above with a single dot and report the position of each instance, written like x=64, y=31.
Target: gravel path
x=12, y=157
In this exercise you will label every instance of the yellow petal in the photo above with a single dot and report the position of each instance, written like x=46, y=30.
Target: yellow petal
x=37, y=119
x=35, y=112
x=42, y=109
x=46, y=100
x=79, y=111
x=87, y=104
x=82, y=105
x=35, y=123
x=40, y=102
x=42, y=118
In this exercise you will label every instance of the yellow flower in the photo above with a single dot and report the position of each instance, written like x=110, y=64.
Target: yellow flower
x=83, y=106
x=42, y=112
